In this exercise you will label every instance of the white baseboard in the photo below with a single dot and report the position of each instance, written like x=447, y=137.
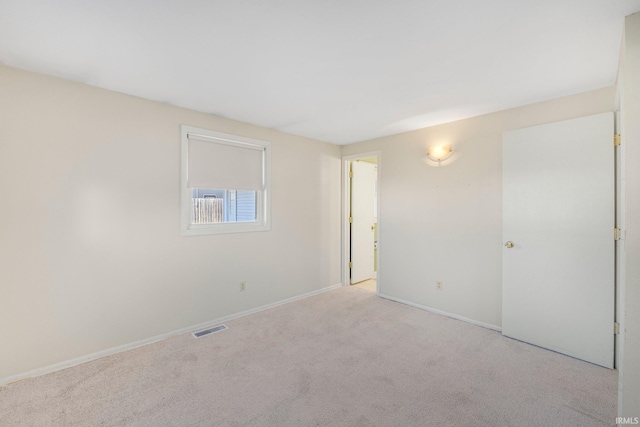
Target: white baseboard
x=443, y=313
x=93, y=356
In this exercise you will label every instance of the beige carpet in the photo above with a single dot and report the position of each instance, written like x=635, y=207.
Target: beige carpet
x=342, y=358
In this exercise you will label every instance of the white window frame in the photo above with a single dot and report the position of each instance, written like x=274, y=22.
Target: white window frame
x=263, y=199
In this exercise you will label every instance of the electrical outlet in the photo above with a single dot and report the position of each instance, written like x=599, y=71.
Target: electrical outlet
x=243, y=286
x=439, y=285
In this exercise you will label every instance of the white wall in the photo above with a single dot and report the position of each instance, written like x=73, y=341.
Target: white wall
x=445, y=223
x=630, y=316
x=91, y=255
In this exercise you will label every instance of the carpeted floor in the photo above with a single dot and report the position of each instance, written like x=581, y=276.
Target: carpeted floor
x=367, y=285
x=341, y=358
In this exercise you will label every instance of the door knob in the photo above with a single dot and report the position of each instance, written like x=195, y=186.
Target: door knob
x=509, y=244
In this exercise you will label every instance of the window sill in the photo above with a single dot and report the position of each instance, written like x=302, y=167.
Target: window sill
x=224, y=228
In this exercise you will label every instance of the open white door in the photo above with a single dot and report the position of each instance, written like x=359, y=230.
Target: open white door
x=558, y=212
x=363, y=220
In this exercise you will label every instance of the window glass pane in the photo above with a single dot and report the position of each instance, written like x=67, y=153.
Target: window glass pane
x=211, y=206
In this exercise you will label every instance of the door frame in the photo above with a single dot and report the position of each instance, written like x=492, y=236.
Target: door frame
x=620, y=223
x=345, y=227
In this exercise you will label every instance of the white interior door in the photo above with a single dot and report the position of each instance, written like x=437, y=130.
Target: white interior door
x=362, y=226
x=558, y=210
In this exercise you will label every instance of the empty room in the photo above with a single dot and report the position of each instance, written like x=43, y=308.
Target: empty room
x=306, y=213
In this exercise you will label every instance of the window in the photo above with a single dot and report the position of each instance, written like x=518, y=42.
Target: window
x=225, y=183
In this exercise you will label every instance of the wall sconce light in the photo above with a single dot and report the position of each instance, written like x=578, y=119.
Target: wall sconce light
x=439, y=153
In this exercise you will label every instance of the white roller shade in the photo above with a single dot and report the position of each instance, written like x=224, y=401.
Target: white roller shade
x=216, y=163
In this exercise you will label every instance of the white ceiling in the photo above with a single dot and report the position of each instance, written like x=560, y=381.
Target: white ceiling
x=335, y=70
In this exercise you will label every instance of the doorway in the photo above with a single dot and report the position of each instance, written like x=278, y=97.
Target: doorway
x=361, y=226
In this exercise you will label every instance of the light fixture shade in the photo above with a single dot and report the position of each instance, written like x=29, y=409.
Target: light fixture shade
x=438, y=153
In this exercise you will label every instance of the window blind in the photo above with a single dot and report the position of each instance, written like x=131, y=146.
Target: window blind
x=220, y=164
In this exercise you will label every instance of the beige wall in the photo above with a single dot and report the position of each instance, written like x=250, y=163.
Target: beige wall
x=91, y=255
x=445, y=223
x=630, y=109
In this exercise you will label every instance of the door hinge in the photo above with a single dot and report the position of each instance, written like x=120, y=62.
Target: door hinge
x=350, y=220
x=350, y=174
x=617, y=140
x=617, y=234
x=350, y=265
x=616, y=328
